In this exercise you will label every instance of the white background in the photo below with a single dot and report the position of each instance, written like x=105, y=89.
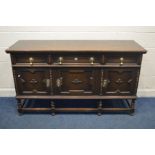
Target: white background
x=77, y=13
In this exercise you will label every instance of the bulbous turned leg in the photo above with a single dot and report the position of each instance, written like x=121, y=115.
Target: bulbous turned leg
x=132, y=111
x=131, y=114
x=19, y=106
x=100, y=108
x=52, y=108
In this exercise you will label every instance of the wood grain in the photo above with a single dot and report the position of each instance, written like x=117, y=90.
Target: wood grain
x=76, y=45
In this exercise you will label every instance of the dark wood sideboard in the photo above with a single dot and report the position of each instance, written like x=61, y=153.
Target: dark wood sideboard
x=96, y=70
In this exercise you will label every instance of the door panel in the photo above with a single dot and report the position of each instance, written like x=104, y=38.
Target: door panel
x=33, y=81
x=120, y=81
x=79, y=81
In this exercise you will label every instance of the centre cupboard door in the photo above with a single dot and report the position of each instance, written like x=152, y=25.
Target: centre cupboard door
x=76, y=81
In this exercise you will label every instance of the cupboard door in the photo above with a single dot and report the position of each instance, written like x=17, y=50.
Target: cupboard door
x=120, y=81
x=33, y=81
x=76, y=81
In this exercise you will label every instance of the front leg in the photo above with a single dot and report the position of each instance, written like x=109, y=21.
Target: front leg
x=52, y=108
x=19, y=106
x=99, y=108
x=132, y=107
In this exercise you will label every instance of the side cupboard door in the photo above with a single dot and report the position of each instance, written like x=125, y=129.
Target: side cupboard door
x=119, y=81
x=32, y=81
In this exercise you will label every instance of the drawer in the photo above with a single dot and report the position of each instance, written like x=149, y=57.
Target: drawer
x=76, y=59
x=32, y=58
x=121, y=59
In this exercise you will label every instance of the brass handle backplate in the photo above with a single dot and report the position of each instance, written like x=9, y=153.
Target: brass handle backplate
x=121, y=61
x=92, y=60
x=76, y=59
x=31, y=60
x=60, y=59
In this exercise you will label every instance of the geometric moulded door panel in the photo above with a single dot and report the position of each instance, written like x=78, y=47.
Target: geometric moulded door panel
x=76, y=81
x=32, y=81
x=120, y=81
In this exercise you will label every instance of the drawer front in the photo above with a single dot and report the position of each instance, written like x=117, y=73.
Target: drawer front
x=32, y=81
x=122, y=59
x=30, y=59
x=76, y=59
x=120, y=81
x=79, y=81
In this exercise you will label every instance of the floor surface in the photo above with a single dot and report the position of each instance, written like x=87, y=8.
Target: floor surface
x=144, y=118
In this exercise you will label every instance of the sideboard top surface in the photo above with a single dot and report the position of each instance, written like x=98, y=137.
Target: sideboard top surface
x=76, y=45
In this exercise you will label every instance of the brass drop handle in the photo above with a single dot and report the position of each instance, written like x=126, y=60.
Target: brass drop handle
x=31, y=60
x=92, y=60
x=60, y=59
x=121, y=61
x=47, y=82
x=59, y=82
x=105, y=83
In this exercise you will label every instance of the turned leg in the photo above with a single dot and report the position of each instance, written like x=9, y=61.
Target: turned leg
x=52, y=108
x=132, y=107
x=20, y=103
x=99, y=108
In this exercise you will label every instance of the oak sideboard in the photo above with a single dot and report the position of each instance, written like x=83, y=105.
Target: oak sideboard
x=71, y=70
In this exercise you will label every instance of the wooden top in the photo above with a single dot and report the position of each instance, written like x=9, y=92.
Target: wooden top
x=76, y=45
